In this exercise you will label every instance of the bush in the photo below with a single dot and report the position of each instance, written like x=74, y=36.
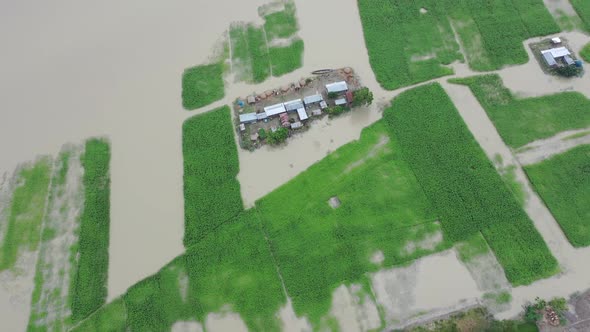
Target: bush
x=89, y=289
x=467, y=192
x=332, y=95
x=278, y=136
x=362, y=96
x=202, y=85
x=568, y=71
x=262, y=134
x=335, y=110
x=211, y=190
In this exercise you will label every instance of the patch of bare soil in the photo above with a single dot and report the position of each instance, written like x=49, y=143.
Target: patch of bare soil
x=225, y=321
x=540, y=150
x=292, y=323
x=429, y=242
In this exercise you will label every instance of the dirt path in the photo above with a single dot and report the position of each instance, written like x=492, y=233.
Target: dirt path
x=540, y=150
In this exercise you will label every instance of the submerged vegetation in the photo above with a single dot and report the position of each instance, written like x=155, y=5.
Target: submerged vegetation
x=89, y=287
x=582, y=7
x=563, y=182
x=412, y=42
x=25, y=214
x=467, y=192
x=202, y=85
x=211, y=190
x=523, y=120
x=585, y=53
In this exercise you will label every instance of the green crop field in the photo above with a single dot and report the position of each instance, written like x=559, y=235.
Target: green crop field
x=410, y=42
x=523, y=120
x=232, y=269
x=281, y=24
x=202, y=85
x=211, y=165
x=467, y=192
x=582, y=7
x=318, y=248
x=563, y=182
x=89, y=287
x=585, y=53
x=286, y=59
x=23, y=230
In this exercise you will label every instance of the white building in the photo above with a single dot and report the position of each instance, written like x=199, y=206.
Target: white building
x=337, y=87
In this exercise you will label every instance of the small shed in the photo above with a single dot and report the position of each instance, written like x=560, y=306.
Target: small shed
x=568, y=60
x=323, y=105
x=313, y=99
x=316, y=112
x=556, y=40
x=302, y=114
x=284, y=120
x=296, y=125
x=242, y=127
x=251, y=100
x=340, y=102
x=248, y=118
x=337, y=87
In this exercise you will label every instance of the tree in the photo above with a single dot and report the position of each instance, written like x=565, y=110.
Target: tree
x=335, y=110
x=568, y=71
x=278, y=136
x=362, y=96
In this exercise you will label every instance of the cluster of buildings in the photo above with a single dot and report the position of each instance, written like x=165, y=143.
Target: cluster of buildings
x=312, y=103
x=558, y=56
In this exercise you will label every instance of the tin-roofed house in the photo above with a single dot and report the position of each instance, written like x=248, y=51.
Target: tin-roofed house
x=312, y=100
x=248, y=118
x=337, y=87
x=555, y=55
x=274, y=109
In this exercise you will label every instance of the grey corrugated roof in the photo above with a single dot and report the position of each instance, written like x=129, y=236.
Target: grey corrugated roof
x=293, y=105
x=313, y=99
x=337, y=87
x=549, y=59
x=274, y=109
x=340, y=101
x=248, y=117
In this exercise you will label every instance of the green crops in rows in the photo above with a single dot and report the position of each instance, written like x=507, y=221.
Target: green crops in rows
x=563, y=182
x=523, y=120
x=89, y=287
x=467, y=192
x=211, y=191
x=412, y=41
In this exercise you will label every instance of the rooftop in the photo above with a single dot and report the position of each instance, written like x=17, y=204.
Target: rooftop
x=275, y=109
x=337, y=87
x=557, y=52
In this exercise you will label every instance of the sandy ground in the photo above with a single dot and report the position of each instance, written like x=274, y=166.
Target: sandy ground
x=63, y=217
x=540, y=150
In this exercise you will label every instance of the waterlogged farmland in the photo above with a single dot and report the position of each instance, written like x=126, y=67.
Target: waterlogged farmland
x=202, y=85
x=582, y=7
x=523, y=120
x=468, y=194
x=563, y=182
x=411, y=42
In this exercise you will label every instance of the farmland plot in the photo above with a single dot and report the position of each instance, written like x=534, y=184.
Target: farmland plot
x=211, y=191
x=582, y=7
x=467, y=192
x=523, y=120
x=563, y=182
x=56, y=262
x=411, y=42
x=202, y=85
x=383, y=220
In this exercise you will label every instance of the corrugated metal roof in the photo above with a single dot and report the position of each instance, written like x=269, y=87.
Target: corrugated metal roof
x=557, y=52
x=341, y=101
x=248, y=117
x=293, y=105
x=274, y=109
x=337, y=86
x=568, y=60
x=302, y=114
x=261, y=116
x=313, y=99
x=549, y=59
x=296, y=125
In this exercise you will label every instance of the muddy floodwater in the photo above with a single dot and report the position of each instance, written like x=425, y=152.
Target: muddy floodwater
x=109, y=68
